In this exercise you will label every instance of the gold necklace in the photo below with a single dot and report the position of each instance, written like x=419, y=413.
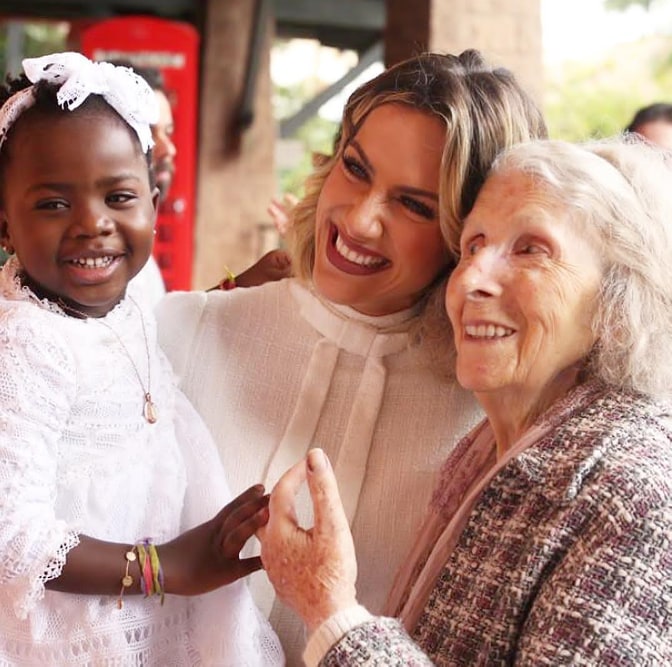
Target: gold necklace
x=149, y=408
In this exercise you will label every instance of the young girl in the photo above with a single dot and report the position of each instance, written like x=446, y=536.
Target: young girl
x=103, y=463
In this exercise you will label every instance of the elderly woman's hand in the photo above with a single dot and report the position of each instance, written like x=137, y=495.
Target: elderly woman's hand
x=313, y=571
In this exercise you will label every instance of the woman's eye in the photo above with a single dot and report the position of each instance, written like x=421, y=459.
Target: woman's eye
x=418, y=208
x=355, y=167
x=472, y=247
x=532, y=249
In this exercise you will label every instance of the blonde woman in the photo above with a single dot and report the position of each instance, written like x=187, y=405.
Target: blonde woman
x=339, y=355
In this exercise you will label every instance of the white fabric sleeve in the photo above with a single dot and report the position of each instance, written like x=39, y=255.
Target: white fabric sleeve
x=329, y=632
x=178, y=315
x=37, y=387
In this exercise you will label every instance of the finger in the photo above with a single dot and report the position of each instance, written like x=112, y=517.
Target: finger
x=284, y=492
x=234, y=539
x=238, y=517
x=256, y=491
x=243, y=511
x=282, y=259
x=250, y=565
x=327, y=506
x=277, y=211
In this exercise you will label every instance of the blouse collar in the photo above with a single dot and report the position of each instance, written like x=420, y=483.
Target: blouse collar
x=351, y=330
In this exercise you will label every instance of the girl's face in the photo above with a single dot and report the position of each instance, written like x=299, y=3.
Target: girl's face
x=77, y=207
x=377, y=240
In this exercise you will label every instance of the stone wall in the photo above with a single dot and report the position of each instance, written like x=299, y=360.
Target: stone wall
x=508, y=32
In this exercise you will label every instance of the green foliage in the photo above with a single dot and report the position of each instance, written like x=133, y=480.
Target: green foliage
x=598, y=99
x=37, y=39
x=317, y=136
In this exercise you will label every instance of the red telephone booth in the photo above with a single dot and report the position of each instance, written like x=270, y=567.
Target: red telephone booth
x=172, y=48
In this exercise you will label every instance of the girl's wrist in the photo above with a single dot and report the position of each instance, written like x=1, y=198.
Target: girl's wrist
x=173, y=582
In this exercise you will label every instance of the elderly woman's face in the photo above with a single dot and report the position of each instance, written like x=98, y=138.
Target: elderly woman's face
x=523, y=295
x=377, y=240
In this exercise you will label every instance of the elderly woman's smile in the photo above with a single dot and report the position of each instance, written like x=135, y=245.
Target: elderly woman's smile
x=487, y=331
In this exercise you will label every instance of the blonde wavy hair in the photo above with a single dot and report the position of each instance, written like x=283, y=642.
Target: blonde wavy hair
x=619, y=191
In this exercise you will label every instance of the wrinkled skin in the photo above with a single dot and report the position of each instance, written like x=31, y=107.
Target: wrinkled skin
x=313, y=571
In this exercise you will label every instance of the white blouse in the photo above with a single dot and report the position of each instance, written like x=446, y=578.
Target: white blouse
x=275, y=370
x=78, y=457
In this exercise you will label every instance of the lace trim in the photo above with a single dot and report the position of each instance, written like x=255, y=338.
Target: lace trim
x=159, y=641
x=52, y=570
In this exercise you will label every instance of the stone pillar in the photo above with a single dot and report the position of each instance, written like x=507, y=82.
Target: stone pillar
x=508, y=32
x=235, y=168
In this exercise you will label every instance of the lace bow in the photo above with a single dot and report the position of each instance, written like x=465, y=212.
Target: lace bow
x=78, y=77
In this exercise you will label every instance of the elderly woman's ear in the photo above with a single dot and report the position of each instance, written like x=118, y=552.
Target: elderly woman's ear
x=313, y=571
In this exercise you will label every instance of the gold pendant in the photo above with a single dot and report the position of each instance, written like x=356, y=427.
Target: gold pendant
x=150, y=409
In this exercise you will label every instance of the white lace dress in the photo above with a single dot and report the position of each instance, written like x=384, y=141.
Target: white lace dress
x=78, y=457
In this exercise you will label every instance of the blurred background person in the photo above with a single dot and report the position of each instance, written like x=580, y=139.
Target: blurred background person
x=654, y=123
x=274, y=265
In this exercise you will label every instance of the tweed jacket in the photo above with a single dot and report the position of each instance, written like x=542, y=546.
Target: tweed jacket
x=566, y=558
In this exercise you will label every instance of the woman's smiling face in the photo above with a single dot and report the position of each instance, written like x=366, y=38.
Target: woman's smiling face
x=523, y=295
x=378, y=244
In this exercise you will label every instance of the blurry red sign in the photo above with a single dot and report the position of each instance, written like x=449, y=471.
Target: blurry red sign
x=172, y=48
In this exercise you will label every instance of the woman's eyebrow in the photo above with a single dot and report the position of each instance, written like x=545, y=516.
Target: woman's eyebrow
x=420, y=192
x=362, y=155
x=406, y=188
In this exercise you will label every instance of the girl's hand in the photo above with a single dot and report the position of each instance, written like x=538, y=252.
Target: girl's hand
x=313, y=571
x=274, y=265
x=208, y=556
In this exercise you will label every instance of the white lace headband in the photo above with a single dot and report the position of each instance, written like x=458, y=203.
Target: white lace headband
x=125, y=91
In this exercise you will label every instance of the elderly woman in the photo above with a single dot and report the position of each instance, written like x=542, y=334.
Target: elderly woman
x=549, y=537
x=337, y=356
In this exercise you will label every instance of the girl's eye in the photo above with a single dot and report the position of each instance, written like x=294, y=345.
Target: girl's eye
x=355, y=167
x=51, y=205
x=121, y=198
x=418, y=208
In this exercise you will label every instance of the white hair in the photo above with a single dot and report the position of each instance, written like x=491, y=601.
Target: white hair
x=620, y=191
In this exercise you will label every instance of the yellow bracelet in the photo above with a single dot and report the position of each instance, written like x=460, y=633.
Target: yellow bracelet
x=127, y=579
x=157, y=571
x=229, y=281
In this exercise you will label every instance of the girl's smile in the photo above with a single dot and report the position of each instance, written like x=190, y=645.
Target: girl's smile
x=93, y=269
